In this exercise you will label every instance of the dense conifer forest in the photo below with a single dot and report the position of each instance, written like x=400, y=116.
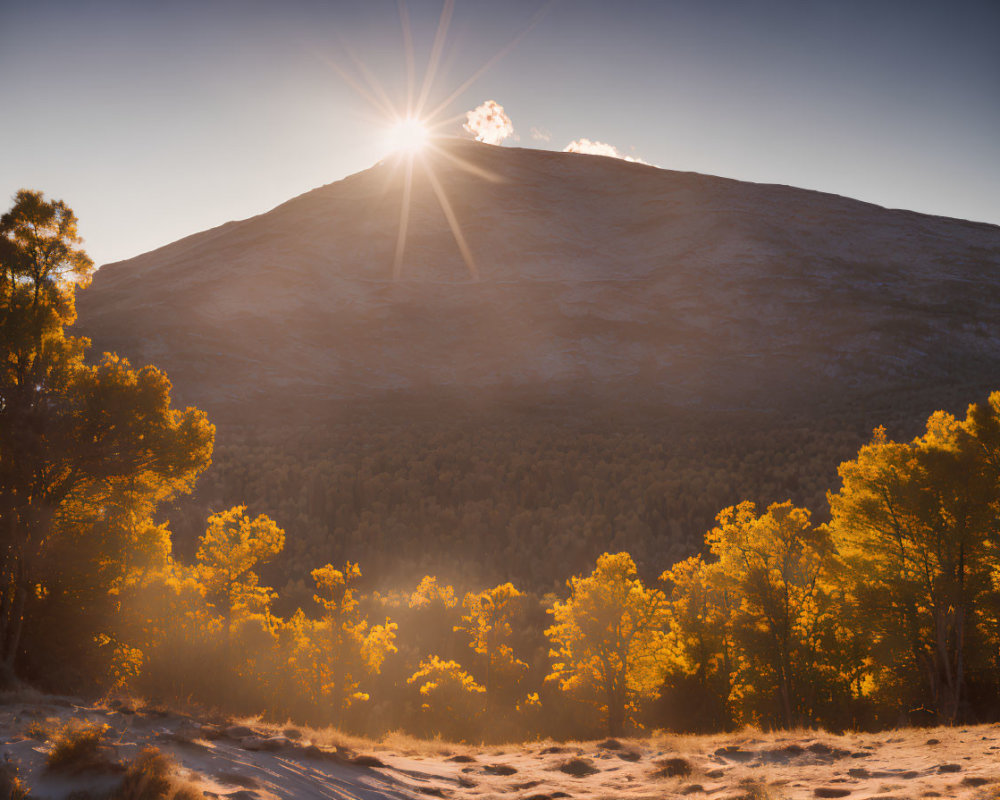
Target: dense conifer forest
x=528, y=495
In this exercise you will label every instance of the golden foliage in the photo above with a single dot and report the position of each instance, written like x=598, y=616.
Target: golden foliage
x=450, y=697
x=330, y=657
x=88, y=451
x=487, y=623
x=916, y=528
x=609, y=638
x=776, y=568
x=229, y=552
x=429, y=592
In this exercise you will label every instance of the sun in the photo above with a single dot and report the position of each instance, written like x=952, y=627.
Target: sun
x=408, y=136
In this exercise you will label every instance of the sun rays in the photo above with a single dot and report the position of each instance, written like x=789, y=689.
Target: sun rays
x=411, y=130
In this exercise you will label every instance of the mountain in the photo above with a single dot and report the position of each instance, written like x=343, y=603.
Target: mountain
x=641, y=349
x=597, y=278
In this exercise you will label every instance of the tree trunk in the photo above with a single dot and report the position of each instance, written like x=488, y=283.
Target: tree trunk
x=13, y=623
x=951, y=663
x=616, y=711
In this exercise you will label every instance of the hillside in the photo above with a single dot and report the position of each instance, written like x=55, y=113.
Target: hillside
x=596, y=275
x=643, y=348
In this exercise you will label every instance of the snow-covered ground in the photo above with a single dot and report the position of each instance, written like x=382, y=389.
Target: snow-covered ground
x=247, y=760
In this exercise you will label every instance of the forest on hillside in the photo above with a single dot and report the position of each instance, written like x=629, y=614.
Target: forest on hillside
x=526, y=496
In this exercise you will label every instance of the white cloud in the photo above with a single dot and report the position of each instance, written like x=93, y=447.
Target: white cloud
x=489, y=123
x=598, y=149
x=540, y=134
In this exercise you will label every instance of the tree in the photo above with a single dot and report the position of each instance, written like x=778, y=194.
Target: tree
x=430, y=593
x=74, y=438
x=916, y=525
x=450, y=697
x=331, y=656
x=487, y=623
x=228, y=555
x=982, y=427
x=609, y=639
x=40, y=264
x=783, y=621
x=700, y=611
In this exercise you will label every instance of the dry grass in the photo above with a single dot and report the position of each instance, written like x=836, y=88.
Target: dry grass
x=42, y=730
x=676, y=767
x=80, y=747
x=11, y=787
x=745, y=765
x=149, y=777
x=758, y=789
x=335, y=739
x=411, y=745
x=665, y=740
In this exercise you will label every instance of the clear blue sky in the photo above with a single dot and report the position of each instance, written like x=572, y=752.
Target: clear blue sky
x=157, y=120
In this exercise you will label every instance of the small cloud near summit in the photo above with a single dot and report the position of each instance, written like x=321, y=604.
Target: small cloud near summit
x=599, y=149
x=489, y=123
x=540, y=134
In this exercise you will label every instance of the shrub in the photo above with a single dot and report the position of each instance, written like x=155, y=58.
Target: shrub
x=672, y=767
x=79, y=747
x=758, y=790
x=148, y=778
x=42, y=731
x=578, y=767
x=11, y=787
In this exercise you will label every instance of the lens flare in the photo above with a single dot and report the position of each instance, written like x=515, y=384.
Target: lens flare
x=408, y=136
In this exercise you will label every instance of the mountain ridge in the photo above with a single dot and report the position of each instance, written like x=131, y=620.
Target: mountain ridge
x=190, y=238
x=599, y=276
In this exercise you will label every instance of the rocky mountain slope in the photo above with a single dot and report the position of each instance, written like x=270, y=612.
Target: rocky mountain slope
x=596, y=278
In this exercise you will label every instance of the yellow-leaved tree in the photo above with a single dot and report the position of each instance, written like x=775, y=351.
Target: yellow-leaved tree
x=609, y=639
x=450, y=698
x=86, y=451
x=783, y=621
x=916, y=524
x=331, y=656
x=487, y=622
x=430, y=593
x=700, y=611
x=229, y=553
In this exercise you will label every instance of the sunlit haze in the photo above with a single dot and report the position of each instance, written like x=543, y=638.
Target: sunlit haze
x=471, y=399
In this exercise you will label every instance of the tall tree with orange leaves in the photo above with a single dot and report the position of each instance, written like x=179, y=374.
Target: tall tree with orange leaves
x=74, y=437
x=916, y=524
x=776, y=567
x=609, y=639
